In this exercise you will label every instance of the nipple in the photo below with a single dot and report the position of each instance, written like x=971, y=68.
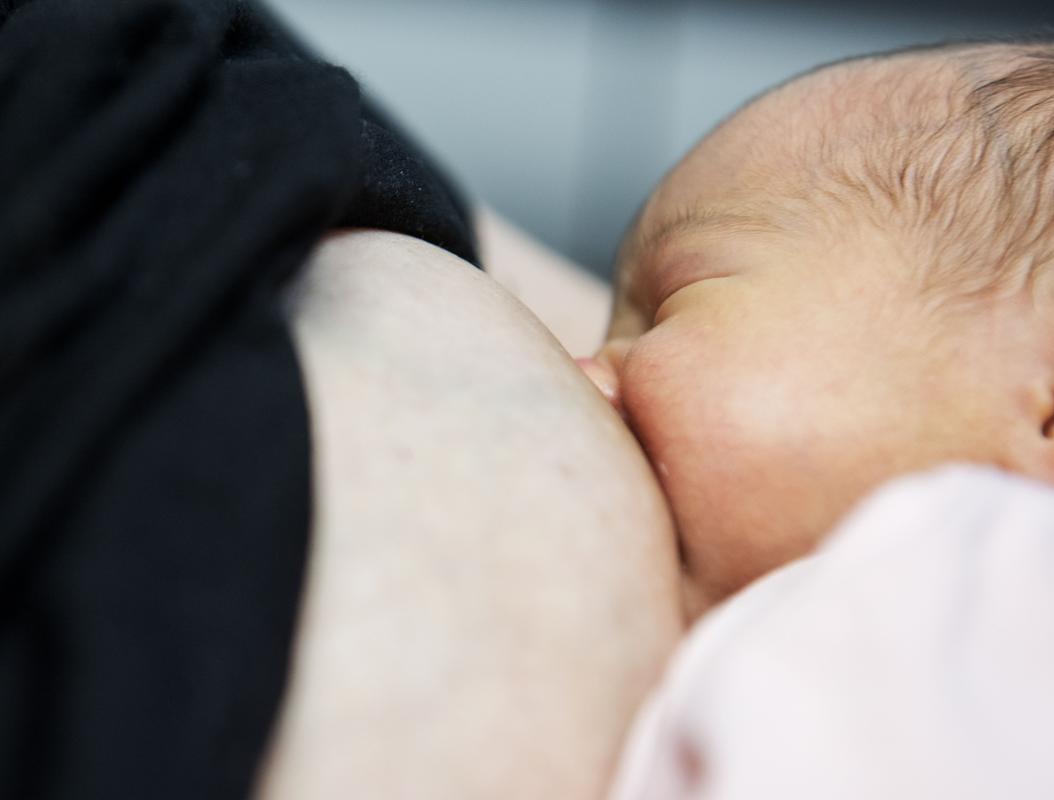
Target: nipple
x=604, y=378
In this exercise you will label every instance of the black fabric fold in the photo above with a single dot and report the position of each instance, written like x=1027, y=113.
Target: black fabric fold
x=166, y=166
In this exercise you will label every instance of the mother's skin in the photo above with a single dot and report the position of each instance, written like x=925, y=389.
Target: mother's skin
x=493, y=583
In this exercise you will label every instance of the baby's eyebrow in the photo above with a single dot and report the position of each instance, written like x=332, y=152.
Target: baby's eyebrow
x=644, y=239
x=705, y=219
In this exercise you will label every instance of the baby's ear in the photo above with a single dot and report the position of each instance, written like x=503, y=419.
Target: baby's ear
x=1035, y=456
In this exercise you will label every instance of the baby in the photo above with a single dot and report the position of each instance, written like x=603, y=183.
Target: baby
x=848, y=279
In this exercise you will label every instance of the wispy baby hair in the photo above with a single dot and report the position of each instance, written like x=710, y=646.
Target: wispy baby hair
x=951, y=154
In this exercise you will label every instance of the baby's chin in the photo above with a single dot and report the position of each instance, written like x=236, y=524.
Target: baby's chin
x=697, y=598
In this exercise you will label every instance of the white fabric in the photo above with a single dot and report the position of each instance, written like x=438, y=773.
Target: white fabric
x=911, y=657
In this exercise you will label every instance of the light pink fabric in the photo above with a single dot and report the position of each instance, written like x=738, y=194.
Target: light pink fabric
x=911, y=657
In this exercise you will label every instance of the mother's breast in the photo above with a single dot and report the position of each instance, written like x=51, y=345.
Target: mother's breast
x=493, y=583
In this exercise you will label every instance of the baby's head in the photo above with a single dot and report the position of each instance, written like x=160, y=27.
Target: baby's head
x=850, y=278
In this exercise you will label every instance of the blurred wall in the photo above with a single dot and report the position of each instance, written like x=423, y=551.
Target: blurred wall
x=562, y=114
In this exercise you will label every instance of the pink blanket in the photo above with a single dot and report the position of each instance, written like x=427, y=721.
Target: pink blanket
x=911, y=657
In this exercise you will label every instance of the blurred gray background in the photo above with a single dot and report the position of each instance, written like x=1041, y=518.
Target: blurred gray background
x=562, y=114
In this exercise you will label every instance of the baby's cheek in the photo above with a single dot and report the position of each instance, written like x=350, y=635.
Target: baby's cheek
x=751, y=491
x=739, y=453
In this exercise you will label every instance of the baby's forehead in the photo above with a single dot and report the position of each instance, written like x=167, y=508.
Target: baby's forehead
x=763, y=147
x=845, y=102
x=901, y=143
x=856, y=123
x=914, y=92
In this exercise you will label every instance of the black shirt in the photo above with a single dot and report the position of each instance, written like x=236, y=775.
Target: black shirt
x=166, y=165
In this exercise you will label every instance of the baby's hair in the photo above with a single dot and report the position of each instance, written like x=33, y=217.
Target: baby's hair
x=1015, y=113
x=960, y=158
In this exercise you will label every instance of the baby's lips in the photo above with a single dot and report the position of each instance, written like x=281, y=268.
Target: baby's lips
x=604, y=378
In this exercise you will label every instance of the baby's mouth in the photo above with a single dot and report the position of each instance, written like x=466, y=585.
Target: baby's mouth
x=604, y=377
